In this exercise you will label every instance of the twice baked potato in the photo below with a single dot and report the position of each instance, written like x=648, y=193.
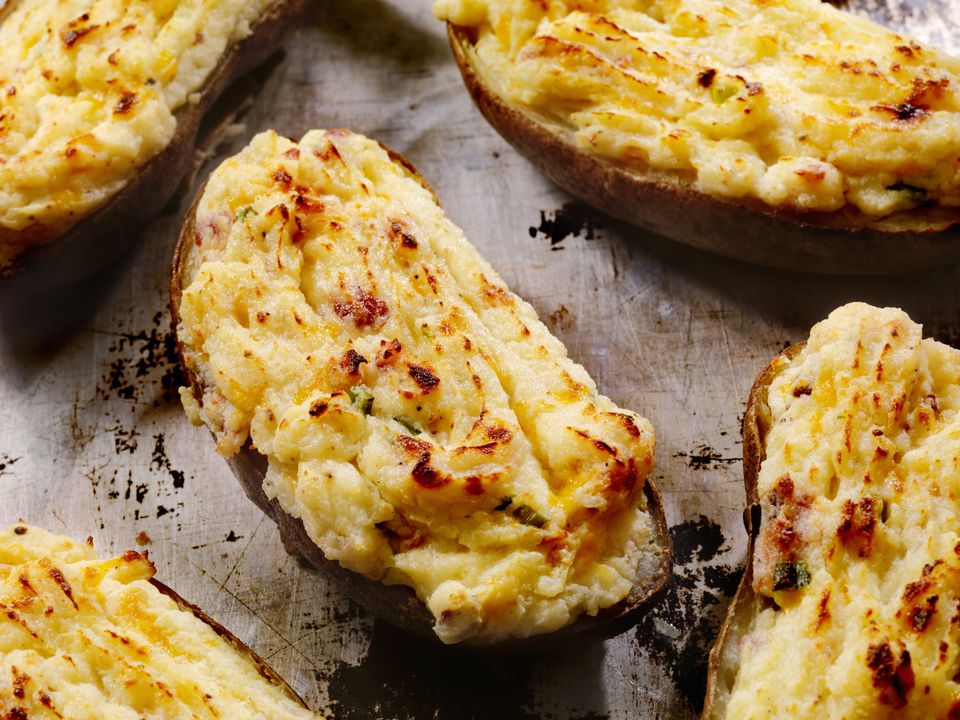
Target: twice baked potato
x=100, y=107
x=86, y=639
x=787, y=133
x=852, y=471
x=409, y=423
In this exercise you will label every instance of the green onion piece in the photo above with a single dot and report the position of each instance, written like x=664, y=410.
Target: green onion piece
x=721, y=92
x=242, y=215
x=528, y=516
x=791, y=575
x=361, y=398
x=408, y=424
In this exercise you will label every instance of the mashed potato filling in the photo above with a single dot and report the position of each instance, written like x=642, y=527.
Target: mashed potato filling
x=89, y=92
x=788, y=102
x=417, y=416
x=89, y=639
x=859, y=547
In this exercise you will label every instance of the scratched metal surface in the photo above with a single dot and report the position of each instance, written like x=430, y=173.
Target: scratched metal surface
x=93, y=442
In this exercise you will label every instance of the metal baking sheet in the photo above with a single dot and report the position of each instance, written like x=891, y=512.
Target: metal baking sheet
x=93, y=440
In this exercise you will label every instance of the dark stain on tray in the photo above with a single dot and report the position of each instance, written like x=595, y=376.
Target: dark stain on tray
x=6, y=462
x=160, y=461
x=124, y=439
x=406, y=678
x=138, y=360
x=572, y=219
x=704, y=457
x=680, y=632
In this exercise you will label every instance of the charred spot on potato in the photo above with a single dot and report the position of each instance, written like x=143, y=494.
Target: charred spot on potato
x=705, y=77
x=427, y=476
x=58, y=577
x=76, y=29
x=351, y=361
x=858, y=524
x=424, y=377
x=125, y=103
x=892, y=676
x=919, y=616
x=399, y=232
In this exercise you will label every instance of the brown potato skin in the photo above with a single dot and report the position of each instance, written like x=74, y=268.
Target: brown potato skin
x=398, y=604
x=745, y=603
x=842, y=242
x=106, y=233
x=267, y=672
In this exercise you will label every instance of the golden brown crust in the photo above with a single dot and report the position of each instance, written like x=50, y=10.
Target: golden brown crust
x=398, y=604
x=756, y=422
x=267, y=672
x=105, y=234
x=837, y=242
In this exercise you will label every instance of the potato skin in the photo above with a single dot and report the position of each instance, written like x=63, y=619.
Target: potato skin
x=840, y=242
x=723, y=656
x=398, y=604
x=105, y=234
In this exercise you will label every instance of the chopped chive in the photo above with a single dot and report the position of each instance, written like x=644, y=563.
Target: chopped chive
x=408, y=424
x=791, y=575
x=361, y=398
x=528, y=516
x=721, y=92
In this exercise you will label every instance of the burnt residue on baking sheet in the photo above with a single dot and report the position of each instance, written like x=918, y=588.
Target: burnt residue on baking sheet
x=679, y=633
x=144, y=362
x=704, y=457
x=125, y=440
x=570, y=220
x=402, y=677
x=6, y=463
x=143, y=497
x=160, y=461
x=561, y=319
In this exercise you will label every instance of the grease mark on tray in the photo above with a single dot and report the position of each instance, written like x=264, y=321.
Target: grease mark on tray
x=572, y=219
x=703, y=457
x=561, y=318
x=679, y=633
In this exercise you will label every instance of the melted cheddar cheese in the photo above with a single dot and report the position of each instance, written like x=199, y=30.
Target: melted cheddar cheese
x=788, y=102
x=90, y=90
x=417, y=416
x=859, y=548
x=89, y=639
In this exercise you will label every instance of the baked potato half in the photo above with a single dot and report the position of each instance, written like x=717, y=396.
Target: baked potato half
x=411, y=426
x=85, y=637
x=102, y=109
x=850, y=468
x=755, y=133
